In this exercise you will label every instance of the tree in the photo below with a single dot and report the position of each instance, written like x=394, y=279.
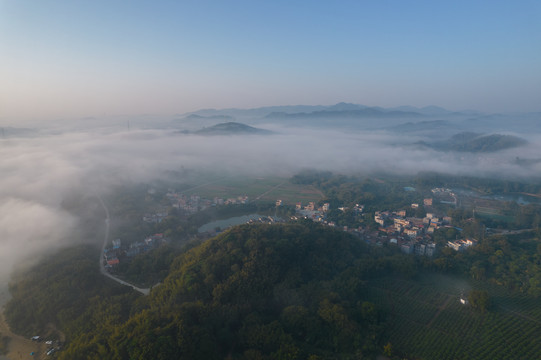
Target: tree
x=479, y=299
x=388, y=349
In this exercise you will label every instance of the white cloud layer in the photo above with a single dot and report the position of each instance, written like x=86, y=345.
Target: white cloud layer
x=38, y=172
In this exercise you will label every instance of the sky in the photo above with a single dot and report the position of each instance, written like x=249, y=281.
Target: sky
x=78, y=58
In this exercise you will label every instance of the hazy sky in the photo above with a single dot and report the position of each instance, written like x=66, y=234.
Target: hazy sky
x=75, y=58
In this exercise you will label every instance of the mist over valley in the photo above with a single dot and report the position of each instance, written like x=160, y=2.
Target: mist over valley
x=269, y=180
x=41, y=166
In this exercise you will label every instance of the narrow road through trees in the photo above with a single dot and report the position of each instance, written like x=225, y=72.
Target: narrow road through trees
x=105, y=240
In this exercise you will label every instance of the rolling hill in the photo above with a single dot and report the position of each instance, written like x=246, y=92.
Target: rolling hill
x=232, y=128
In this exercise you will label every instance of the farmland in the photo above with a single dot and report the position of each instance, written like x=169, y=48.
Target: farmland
x=267, y=189
x=428, y=321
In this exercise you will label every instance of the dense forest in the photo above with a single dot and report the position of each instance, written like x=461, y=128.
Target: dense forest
x=67, y=291
x=255, y=292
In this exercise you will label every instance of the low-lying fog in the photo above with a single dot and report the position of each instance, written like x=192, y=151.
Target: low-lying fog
x=39, y=168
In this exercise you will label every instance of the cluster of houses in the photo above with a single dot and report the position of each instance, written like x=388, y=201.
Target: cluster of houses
x=446, y=196
x=410, y=233
x=312, y=211
x=265, y=220
x=194, y=203
x=116, y=253
x=461, y=245
x=413, y=235
x=311, y=207
x=190, y=204
x=426, y=202
x=397, y=222
x=155, y=217
x=318, y=213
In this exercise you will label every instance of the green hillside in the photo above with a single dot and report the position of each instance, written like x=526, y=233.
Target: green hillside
x=255, y=292
x=289, y=291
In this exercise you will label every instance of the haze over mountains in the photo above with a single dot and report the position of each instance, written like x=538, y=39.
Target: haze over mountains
x=43, y=165
x=104, y=101
x=429, y=119
x=232, y=128
x=342, y=106
x=473, y=142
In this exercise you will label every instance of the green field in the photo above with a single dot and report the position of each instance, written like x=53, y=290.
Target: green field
x=493, y=213
x=267, y=189
x=427, y=320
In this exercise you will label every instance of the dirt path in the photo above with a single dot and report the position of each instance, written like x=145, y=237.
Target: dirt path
x=20, y=347
x=268, y=191
x=516, y=313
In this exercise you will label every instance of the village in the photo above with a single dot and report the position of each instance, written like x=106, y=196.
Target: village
x=189, y=205
x=413, y=235
x=117, y=252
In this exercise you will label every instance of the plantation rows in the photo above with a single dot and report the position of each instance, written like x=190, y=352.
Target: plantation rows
x=458, y=320
x=520, y=303
x=458, y=331
x=402, y=288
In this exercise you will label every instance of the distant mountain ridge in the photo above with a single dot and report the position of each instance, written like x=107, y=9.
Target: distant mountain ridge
x=417, y=127
x=8, y=131
x=432, y=121
x=343, y=109
x=211, y=117
x=427, y=110
x=350, y=114
x=477, y=143
x=232, y=128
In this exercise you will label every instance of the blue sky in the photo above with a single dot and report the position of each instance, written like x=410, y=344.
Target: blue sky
x=73, y=58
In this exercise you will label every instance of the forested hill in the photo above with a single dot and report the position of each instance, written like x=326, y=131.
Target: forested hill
x=255, y=292
x=232, y=128
x=473, y=142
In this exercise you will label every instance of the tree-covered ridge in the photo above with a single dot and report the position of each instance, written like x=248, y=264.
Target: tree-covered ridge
x=255, y=292
x=482, y=143
x=232, y=128
x=66, y=291
x=475, y=143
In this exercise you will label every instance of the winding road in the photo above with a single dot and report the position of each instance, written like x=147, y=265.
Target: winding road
x=105, y=240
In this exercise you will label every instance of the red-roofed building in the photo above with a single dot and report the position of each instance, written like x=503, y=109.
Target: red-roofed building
x=113, y=262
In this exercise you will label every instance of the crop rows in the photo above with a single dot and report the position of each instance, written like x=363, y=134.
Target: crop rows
x=509, y=330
